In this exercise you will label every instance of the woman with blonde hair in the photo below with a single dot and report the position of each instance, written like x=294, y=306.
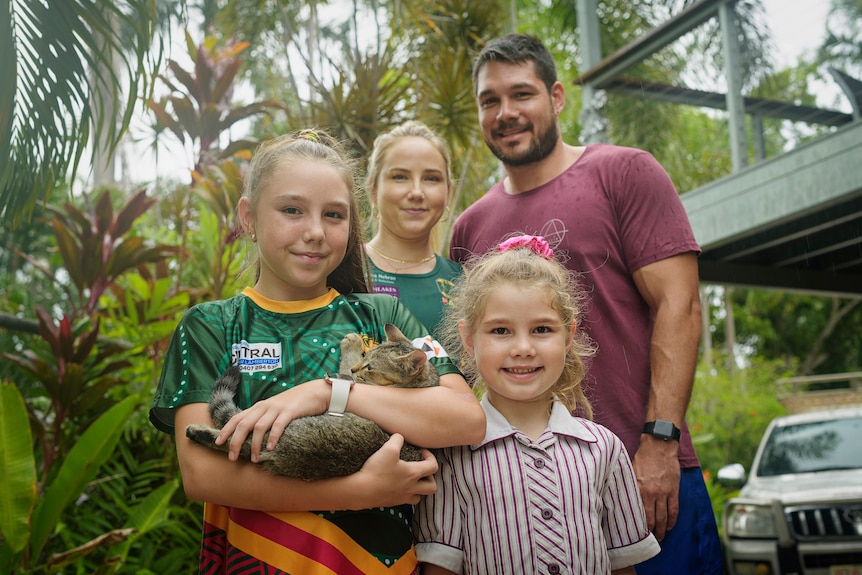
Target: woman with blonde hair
x=409, y=185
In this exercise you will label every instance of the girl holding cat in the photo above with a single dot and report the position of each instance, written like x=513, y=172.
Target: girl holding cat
x=545, y=491
x=299, y=210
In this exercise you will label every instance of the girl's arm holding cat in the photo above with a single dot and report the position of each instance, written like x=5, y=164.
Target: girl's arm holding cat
x=383, y=481
x=441, y=416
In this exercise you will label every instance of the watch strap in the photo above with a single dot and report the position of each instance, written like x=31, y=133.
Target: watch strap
x=340, y=393
x=662, y=429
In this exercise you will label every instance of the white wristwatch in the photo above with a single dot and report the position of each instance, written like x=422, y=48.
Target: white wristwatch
x=340, y=391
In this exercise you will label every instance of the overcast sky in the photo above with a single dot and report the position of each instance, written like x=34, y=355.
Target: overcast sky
x=797, y=26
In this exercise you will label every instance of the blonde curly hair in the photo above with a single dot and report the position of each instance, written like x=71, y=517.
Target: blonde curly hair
x=527, y=270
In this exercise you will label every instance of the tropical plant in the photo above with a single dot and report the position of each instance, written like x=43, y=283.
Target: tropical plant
x=78, y=402
x=132, y=492
x=62, y=86
x=74, y=368
x=200, y=109
x=33, y=515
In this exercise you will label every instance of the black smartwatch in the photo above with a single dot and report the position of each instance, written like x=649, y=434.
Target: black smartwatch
x=661, y=429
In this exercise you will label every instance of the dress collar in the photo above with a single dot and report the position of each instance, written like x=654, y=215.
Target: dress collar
x=561, y=423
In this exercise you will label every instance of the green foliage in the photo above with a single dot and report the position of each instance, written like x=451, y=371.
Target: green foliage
x=78, y=402
x=819, y=333
x=199, y=107
x=134, y=492
x=75, y=374
x=145, y=309
x=72, y=366
x=698, y=152
x=218, y=265
x=72, y=71
x=17, y=469
x=728, y=413
x=78, y=468
x=217, y=249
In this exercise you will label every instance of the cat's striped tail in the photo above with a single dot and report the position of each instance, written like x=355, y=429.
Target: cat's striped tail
x=222, y=404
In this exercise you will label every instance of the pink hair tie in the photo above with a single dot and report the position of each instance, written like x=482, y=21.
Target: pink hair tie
x=535, y=243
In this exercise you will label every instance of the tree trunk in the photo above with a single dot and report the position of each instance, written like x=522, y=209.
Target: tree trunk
x=706, y=334
x=104, y=110
x=816, y=356
x=729, y=330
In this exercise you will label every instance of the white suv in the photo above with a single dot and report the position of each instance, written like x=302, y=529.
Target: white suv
x=800, y=512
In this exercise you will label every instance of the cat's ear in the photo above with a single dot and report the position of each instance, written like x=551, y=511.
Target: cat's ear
x=416, y=360
x=394, y=334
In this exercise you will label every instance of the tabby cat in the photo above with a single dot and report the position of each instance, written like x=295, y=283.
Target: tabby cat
x=321, y=446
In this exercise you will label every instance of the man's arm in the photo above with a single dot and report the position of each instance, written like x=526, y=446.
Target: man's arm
x=670, y=288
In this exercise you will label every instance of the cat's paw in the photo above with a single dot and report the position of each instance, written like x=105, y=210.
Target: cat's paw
x=352, y=342
x=202, y=434
x=352, y=350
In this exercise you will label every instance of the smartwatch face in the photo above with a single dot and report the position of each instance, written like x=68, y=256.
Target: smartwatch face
x=663, y=428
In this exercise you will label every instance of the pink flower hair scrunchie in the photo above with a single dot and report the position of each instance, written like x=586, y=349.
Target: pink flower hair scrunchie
x=535, y=243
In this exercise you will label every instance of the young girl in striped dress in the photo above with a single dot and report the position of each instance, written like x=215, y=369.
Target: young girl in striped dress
x=545, y=491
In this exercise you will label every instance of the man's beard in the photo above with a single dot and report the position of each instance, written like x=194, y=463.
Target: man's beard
x=539, y=148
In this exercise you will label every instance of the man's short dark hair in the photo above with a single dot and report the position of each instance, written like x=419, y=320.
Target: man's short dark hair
x=517, y=49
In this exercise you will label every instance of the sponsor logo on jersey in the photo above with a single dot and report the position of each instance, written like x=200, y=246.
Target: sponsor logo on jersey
x=252, y=357
x=388, y=290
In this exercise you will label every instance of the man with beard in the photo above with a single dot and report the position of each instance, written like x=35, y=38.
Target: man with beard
x=616, y=218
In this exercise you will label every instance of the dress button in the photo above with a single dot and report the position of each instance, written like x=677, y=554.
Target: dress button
x=547, y=514
x=553, y=569
x=540, y=463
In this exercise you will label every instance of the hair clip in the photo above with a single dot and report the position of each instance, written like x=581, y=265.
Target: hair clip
x=309, y=134
x=535, y=243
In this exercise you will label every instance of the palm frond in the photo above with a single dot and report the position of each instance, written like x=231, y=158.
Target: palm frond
x=74, y=69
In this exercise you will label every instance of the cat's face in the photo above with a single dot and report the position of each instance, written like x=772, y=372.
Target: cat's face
x=394, y=362
x=390, y=364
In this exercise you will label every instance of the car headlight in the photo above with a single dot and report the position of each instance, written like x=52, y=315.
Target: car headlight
x=749, y=520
